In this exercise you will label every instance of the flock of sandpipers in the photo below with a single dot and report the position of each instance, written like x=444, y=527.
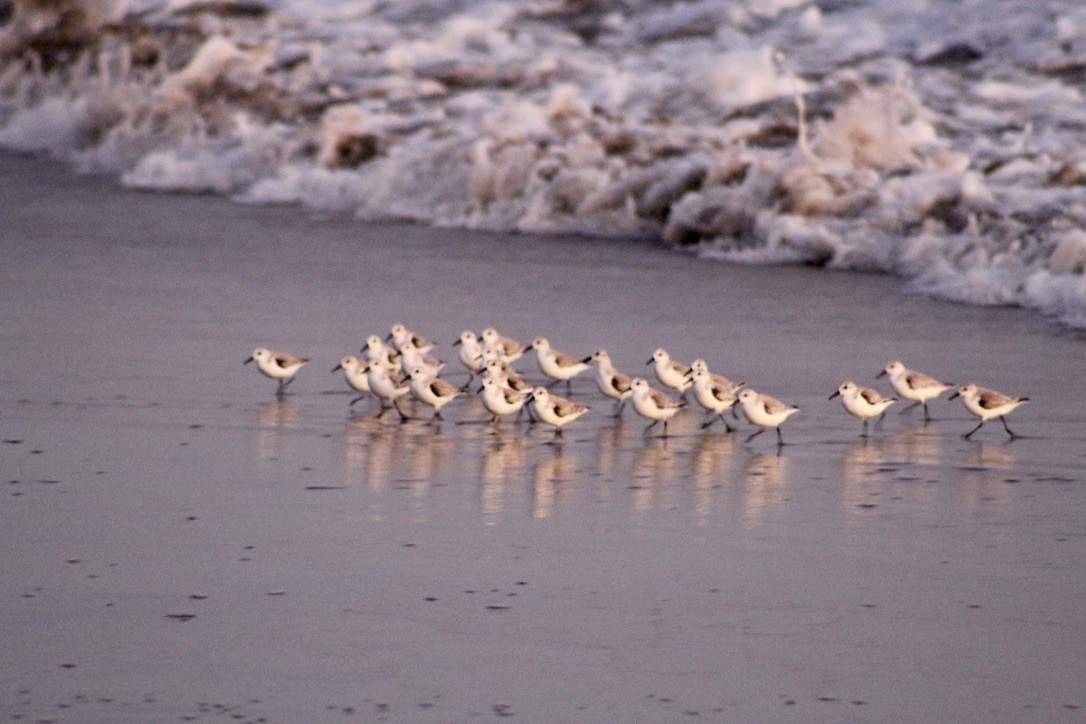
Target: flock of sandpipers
x=401, y=366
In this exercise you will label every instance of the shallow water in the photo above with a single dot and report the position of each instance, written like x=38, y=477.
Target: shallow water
x=179, y=544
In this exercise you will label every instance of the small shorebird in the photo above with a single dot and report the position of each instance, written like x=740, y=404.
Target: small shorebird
x=412, y=357
x=376, y=350
x=388, y=385
x=277, y=365
x=987, y=404
x=555, y=411
x=401, y=334
x=765, y=412
x=431, y=390
x=471, y=354
x=611, y=382
x=862, y=402
x=557, y=365
x=508, y=349
x=670, y=373
x=653, y=404
x=912, y=385
x=715, y=393
x=500, y=400
x=356, y=373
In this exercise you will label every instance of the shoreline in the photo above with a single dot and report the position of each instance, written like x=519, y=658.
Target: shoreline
x=180, y=544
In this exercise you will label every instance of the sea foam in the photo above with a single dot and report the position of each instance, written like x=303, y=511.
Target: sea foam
x=937, y=141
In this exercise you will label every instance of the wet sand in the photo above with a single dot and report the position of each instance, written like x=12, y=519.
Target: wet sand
x=179, y=545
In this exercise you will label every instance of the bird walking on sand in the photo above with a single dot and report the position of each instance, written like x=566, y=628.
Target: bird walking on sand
x=559, y=366
x=277, y=365
x=387, y=383
x=471, y=355
x=610, y=381
x=508, y=349
x=555, y=411
x=653, y=404
x=429, y=389
x=716, y=393
x=987, y=404
x=670, y=373
x=913, y=385
x=500, y=400
x=862, y=402
x=765, y=412
x=356, y=372
x=400, y=334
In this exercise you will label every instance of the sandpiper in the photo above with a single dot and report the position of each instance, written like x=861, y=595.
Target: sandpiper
x=670, y=373
x=862, y=402
x=716, y=393
x=912, y=385
x=610, y=381
x=387, y=383
x=557, y=365
x=277, y=365
x=765, y=412
x=401, y=334
x=987, y=404
x=510, y=350
x=555, y=411
x=500, y=400
x=376, y=350
x=653, y=404
x=431, y=390
x=471, y=354
x=356, y=372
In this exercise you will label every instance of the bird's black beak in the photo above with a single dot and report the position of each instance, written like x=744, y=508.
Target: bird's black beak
x=956, y=394
x=587, y=359
x=337, y=367
x=835, y=394
x=689, y=375
x=880, y=374
x=388, y=337
x=650, y=361
x=457, y=342
x=247, y=361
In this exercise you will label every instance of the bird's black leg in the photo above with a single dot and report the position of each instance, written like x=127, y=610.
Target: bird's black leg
x=780, y=439
x=1004, y=421
x=970, y=433
x=760, y=431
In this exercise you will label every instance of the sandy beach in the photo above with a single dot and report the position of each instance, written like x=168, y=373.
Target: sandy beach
x=181, y=545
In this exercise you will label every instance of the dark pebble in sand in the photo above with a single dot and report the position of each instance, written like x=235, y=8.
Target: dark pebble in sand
x=67, y=666
x=828, y=699
x=496, y=607
x=73, y=561
x=325, y=487
x=195, y=426
x=48, y=482
x=276, y=593
x=198, y=596
x=13, y=441
x=867, y=505
x=36, y=452
x=502, y=710
x=431, y=598
x=408, y=545
x=180, y=616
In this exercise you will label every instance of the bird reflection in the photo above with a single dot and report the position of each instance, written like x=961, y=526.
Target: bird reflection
x=271, y=419
x=919, y=445
x=712, y=460
x=503, y=459
x=984, y=487
x=764, y=481
x=859, y=472
x=652, y=474
x=551, y=477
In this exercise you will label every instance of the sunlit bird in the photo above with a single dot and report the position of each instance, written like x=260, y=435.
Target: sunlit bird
x=862, y=402
x=279, y=366
x=987, y=404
